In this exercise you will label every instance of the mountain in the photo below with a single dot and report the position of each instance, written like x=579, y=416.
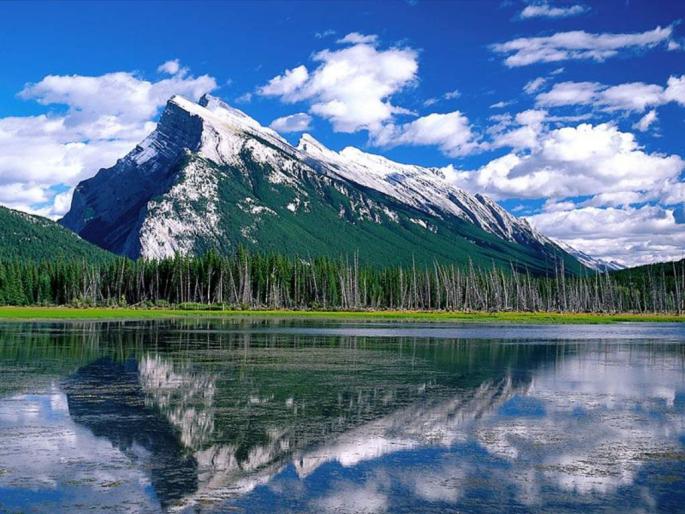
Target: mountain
x=27, y=237
x=593, y=263
x=209, y=176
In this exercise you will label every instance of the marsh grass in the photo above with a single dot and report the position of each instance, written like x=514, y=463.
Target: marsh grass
x=71, y=313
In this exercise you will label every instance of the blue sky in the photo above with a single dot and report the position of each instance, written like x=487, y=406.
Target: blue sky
x=569, y=112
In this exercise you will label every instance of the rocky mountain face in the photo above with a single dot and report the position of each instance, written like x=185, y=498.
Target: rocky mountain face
x=211, y=177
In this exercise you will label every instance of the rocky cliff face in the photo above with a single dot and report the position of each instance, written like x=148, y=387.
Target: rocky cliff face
x=110, y=208
x=210, y=176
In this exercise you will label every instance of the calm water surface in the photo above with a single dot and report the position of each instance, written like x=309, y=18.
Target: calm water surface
x=278, y=416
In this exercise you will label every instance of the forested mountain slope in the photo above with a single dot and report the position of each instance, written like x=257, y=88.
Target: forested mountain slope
x=27, y=237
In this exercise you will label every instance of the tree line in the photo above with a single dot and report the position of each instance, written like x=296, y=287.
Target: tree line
x=246, y=280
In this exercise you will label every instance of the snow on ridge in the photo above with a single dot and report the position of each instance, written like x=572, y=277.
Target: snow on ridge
x=313, y=148
x=227, y=130
x=594, y=263
x=426, y=189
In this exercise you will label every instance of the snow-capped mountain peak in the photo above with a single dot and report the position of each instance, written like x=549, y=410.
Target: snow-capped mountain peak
x=210, y=176
x=215, y=110
x=221, y=108
x=232, y=116
x=225, y=130
x=223, y=117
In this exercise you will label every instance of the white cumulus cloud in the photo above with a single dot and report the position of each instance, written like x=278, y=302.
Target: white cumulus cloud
x=351, y=86
x=520, y=133
x=287, y=85
x=632, y=235
x=450, y=132
x=675, y=90
x=171, y=67
x=293, y=123
x=604, y=193
x=574, y=161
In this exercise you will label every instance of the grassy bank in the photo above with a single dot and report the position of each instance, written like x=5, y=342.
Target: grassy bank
x=69, y=313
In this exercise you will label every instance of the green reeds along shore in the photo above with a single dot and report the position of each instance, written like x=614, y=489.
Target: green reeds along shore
x=72, y=313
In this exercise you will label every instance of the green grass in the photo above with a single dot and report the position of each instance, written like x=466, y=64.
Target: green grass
x=69, y=313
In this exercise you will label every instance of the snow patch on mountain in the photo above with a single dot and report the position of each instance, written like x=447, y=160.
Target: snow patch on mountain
x=251, y=206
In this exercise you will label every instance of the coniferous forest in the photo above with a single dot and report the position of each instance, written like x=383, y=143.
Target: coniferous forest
x=248, y=281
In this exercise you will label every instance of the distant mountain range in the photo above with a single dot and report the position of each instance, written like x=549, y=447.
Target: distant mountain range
x=209, y=176
x=591, y=262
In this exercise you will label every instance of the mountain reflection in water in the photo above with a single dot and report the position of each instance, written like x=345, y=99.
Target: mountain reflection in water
x=106, y=397
x=212, y=415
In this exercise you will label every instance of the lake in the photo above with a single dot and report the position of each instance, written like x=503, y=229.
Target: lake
x=296, y=416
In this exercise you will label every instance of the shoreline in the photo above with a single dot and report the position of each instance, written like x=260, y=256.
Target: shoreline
x=120, y=313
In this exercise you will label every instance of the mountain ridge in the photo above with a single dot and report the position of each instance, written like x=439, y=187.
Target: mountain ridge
x=593, y=263
x=412, y=183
